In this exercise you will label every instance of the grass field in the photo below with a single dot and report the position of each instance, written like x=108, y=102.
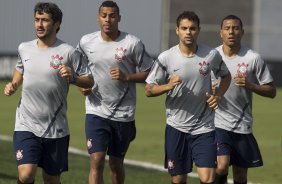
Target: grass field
x=150, y=122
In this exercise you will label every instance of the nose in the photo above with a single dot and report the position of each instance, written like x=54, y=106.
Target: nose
x=107, y=19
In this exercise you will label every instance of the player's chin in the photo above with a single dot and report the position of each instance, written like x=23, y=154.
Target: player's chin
x=41, y=36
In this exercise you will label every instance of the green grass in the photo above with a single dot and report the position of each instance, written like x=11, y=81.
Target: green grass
x=150, y=122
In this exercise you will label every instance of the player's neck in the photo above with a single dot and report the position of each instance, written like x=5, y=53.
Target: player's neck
x=188, y=50
x=46, y=42
x=231, y=51
x=110, y=37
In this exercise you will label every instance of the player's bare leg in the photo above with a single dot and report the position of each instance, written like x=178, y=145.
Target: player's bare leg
x=48, y=179
x=222, y=169
x=178, y=179
x=206, y=175
x=97, y=162
x=117, y=170
x=27, y=172
x=239, y=174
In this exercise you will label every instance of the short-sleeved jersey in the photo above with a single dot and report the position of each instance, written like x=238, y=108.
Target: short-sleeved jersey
x=235, y=108
x=43, y=105
x=113, y=99
x=186, y=107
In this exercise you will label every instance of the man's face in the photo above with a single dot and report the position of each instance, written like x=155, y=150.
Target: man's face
x=188, y=32
x=44, y=25
x=108, y=19
x=231, y=32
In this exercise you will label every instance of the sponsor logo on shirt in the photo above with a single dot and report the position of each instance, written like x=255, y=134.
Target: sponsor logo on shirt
x=56, y=61
x=19, y=154
x=204, y=68
x=242, y=69
x=120, y=54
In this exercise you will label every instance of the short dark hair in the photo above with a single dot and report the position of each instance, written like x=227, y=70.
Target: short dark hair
x=231, y=17
x=111, y=4
x=190, y=15
x=49, y=8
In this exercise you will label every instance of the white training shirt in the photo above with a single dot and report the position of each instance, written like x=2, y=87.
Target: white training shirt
x=235, y=108
x=113, y=99
x=42, y=109
x=186, y=107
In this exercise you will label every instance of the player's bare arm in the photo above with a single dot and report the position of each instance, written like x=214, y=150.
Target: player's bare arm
x=152, y=90
x=213, y=100
x=80, y=81
x=117, y=74
x=266, y=90
x=12, y=87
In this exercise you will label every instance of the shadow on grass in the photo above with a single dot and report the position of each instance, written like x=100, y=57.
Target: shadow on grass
x=7, y=177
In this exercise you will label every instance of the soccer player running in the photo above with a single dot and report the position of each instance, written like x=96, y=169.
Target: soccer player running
x=183, y=73
x=233, y=119
x=113, y=57
x=45, y=69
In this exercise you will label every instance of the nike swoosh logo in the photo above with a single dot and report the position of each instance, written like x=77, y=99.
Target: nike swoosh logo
x=175, y=70
x=91, y=52
x=26, y=60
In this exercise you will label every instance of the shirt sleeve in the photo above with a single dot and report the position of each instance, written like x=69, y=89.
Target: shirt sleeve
x=79, y=64
x=262, y=72
x=143, y=60
x=19, y=66
x=219, y=67
x=158, y=74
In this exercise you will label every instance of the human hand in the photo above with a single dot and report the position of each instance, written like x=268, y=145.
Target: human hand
x=240, y=80
x=65, y=72
x=174, y=81
x=117, y=74
x=85, y=91
x=212, y=101
x=10, y=89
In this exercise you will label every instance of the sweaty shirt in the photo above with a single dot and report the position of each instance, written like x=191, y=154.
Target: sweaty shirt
x=186, y=107
x=113, y=99
x=43, y=105
x=235, y=108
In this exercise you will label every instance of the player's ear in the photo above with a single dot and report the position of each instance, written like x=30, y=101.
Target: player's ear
x=177, y=31
x=119, y=18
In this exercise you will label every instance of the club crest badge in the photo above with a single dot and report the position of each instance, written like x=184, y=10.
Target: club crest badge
x=243, y=69
x=170, y=164
x=89, y=143
x=120, y=54
x=19, y=154
x=56, y=61
x=204, y=68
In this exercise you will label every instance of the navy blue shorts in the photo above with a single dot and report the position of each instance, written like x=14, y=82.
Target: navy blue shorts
x=242, y=148
x=49, y=154
x=113, y=137
x=181, y=149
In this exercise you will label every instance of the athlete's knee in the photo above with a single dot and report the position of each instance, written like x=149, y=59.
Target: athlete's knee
x=26, y=178
x=178, y=179
x=222, y=168
x=49, y=179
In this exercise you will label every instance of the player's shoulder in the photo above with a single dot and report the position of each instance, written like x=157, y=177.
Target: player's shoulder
x=130, y=37
x=207, y=50
x=27, y=44
x=64, y=46
x=89, y=37
x=250, y=53
x=168, y=53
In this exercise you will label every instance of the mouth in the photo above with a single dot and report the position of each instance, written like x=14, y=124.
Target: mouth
x=40, y=31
